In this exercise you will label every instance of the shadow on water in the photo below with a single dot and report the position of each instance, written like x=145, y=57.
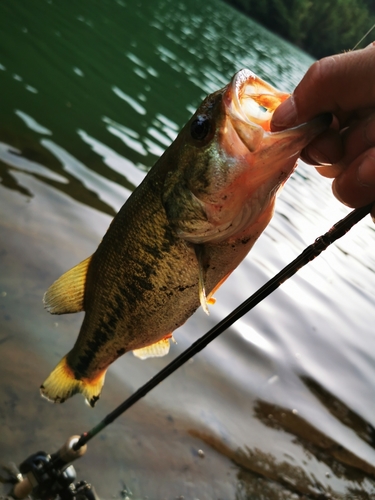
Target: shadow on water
x=27, y=155
x=262, y=476
x=342, y=412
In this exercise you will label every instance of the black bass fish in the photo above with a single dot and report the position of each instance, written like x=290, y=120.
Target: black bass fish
x=180, y=234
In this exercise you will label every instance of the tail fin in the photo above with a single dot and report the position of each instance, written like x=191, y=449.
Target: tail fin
x=62, y=384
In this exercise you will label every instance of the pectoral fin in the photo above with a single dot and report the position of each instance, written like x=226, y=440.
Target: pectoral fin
x=205, y=300
x=157, y=350
x=199, y=250
x=66, y=294
x=210, y=298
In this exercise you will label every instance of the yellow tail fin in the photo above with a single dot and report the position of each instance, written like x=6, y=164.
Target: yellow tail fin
x=62, y=384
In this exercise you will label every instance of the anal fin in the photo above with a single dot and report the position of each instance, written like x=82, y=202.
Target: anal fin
x=66, y=295
x=156, y=350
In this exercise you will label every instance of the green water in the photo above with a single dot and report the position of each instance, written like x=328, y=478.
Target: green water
x=105, y=74
x=282, y=405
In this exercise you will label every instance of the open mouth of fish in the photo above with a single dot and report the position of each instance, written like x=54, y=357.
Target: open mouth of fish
x=253, y=99
x=250, y=104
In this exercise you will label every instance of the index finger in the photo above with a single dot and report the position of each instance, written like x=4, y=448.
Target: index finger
x=339, y=84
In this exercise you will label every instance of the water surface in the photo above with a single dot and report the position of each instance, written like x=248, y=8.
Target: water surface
x=280, y=406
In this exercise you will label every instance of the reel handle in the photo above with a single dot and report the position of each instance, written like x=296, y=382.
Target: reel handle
x=22, y=489
x=67, y=453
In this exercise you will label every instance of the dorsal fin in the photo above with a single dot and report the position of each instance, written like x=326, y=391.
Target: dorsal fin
x=66, y=294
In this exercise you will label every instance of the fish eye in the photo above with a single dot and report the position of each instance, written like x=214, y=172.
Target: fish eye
x=200, y=128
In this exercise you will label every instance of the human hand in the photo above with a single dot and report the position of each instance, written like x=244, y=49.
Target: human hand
x=343, y=85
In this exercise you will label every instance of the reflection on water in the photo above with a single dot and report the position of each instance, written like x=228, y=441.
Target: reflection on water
x=340, y=410
x=94, y=94
x=261, y=473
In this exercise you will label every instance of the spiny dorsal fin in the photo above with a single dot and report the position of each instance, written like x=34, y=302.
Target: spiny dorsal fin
x=157, y=350
x=66, y=294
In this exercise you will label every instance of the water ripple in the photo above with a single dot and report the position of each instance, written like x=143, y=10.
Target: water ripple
x=109, y=192
x=32, y=123
x=132, y=102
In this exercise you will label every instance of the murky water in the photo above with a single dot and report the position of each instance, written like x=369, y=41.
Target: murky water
x=281, y=405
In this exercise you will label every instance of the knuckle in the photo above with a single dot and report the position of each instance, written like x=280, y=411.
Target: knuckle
x=322, y=69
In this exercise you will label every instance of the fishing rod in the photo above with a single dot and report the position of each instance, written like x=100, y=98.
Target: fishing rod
x=50, y=476
x=311, y=252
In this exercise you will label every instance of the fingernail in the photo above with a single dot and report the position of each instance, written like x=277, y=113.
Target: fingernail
x=366, y=171
x=285, y=115
x=335, y=191
x=317, y=157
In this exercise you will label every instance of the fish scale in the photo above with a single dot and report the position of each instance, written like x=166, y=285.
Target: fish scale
x=152, y=273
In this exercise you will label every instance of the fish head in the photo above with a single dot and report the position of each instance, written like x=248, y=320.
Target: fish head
x=228, y=165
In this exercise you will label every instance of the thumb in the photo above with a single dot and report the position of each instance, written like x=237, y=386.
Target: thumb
x=338, y=84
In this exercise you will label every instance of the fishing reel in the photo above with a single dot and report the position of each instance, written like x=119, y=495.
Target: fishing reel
x=47, y=477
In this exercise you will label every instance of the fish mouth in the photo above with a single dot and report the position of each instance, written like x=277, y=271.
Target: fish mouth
x=253, y=100
x=250, y=103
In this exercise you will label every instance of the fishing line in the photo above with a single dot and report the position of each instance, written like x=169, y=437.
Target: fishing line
x=364, y=36
x=311, y=252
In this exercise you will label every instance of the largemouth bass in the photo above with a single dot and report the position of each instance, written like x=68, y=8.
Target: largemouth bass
x=180, y=234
